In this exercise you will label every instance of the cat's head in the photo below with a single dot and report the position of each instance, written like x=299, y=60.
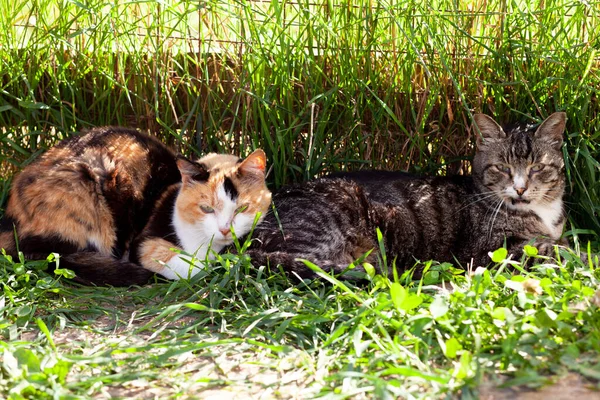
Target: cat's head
x=523, y=168
x=221, y=191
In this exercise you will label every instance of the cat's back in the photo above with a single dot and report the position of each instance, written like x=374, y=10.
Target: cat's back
x=105, y=148
x=91, y=191
x=104, y=155
x=400, y=187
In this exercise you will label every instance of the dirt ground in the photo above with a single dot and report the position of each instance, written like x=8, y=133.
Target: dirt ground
x=237, y=371
x=569, y=387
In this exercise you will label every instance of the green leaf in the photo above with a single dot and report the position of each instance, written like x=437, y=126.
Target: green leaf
x=67, y=273
x=503, y=314
x=26, y=357
x=369, y=269
x=464, y=368
x=196, y=306
x=499, y=313
x=452, y=347
x=530, y=251
x=33, y=105
x=23, y=310
x=411, y=301
x=46, y=332
x=19, y=269
x=398, y=294
x=60, y=370
x=499, y=255
x=546, y=318
x=431, y=277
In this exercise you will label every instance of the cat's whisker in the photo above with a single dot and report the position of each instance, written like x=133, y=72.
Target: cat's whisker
x=483, y=198
x=500, y=203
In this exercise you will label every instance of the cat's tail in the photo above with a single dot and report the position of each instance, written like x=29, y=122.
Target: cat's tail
x=295, y=268
x=90, y=267
x=93, y=268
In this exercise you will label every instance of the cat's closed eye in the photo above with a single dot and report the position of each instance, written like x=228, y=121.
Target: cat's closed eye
x=207, y=209
x=503, y=168
x=536, y=168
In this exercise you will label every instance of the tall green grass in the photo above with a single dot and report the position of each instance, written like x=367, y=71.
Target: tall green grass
x=320, y=85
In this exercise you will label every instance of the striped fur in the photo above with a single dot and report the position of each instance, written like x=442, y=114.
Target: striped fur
x=513, y=197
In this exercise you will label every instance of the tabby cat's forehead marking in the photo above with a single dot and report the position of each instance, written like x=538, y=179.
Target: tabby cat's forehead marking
x=521, y=146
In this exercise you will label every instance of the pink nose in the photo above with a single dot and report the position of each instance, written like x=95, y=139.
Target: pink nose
x=224, y=231
x=520, y=191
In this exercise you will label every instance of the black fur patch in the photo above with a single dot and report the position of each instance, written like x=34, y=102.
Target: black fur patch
x=46, y=245
x=203, y=174
x=7, y=224
x=230, y=189
x=160, y=224
x=521, y=145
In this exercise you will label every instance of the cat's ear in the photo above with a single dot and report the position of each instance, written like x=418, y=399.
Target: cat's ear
x=254, y=165
x=552, y=129
x=488, y=127
x=191, y=171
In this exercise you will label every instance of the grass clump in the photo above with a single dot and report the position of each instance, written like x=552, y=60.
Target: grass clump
x=238, y=329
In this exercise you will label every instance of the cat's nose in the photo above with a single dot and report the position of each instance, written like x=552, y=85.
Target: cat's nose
x=224, y=231
x=520, y=190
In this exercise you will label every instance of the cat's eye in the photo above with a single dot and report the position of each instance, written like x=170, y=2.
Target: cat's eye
x=207, y=209
x=241, y=208
x=537, y=167
x=503, y=168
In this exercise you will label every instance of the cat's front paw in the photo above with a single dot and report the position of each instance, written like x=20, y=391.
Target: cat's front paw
x=180, y=267
x=533, y=252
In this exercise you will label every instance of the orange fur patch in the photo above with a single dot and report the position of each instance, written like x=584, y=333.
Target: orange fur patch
x=154, y=251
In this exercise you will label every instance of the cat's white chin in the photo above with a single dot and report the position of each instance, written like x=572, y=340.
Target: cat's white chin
x=518, y=204
x=221, y=242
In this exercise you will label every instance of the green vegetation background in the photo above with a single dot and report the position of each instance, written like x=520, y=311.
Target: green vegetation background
x=321, y=86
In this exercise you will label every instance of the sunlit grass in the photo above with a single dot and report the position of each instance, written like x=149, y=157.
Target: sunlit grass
x=320, y=87
x=391, y=338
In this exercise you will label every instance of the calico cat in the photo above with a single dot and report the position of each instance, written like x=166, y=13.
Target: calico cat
x=113, y=202
x=513, y=198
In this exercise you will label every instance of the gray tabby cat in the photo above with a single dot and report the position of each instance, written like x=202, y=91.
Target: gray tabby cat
x=513, y=198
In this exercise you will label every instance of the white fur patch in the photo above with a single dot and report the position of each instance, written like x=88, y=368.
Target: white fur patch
x=205, y=234
x=550, y=215
x=195, y=238
x=519, y=182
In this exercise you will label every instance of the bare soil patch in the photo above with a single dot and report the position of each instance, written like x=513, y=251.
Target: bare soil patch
x=568, y=387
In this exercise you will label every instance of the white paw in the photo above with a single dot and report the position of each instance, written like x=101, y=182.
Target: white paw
x=178, y=267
